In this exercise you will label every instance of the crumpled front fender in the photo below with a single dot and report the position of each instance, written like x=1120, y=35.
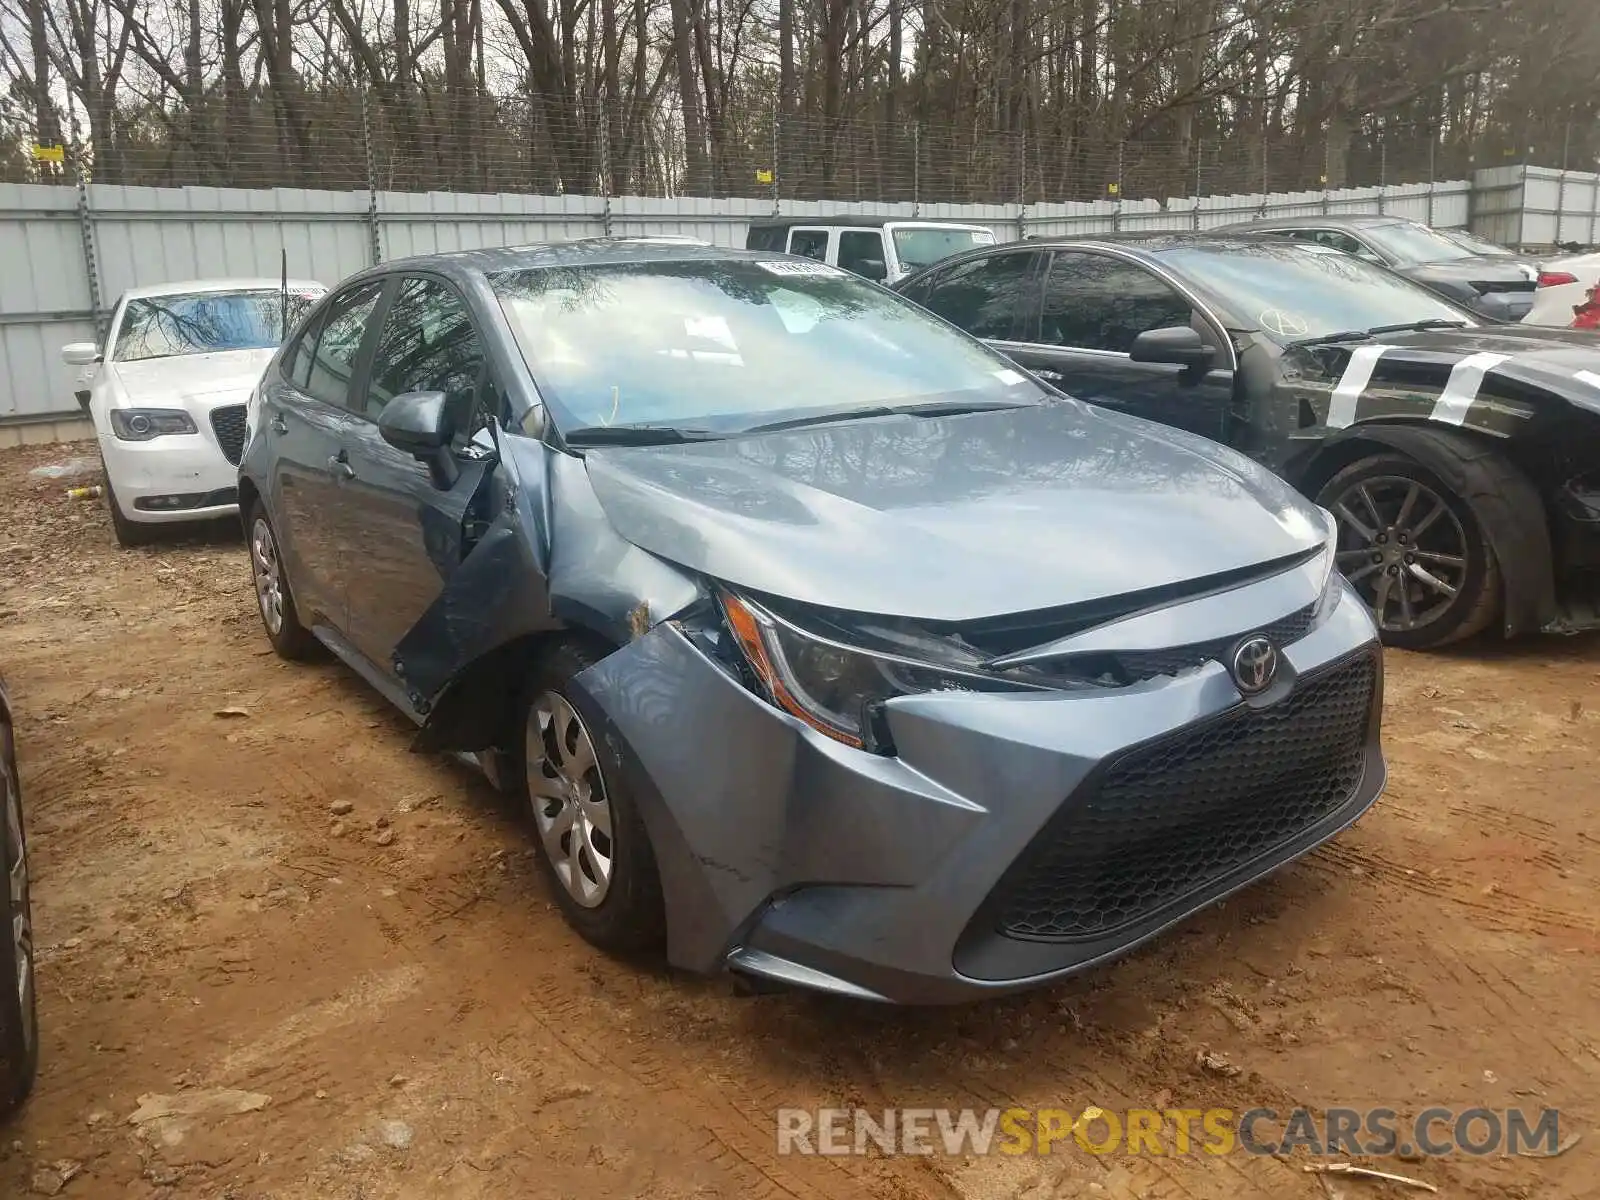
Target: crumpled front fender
x=742, y=802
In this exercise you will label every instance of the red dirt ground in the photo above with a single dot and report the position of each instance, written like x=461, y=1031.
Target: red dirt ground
x=205, y=922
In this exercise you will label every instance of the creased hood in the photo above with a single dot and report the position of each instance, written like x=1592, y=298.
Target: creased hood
x=1561, y=363
x=229, y=374
x=955, y=518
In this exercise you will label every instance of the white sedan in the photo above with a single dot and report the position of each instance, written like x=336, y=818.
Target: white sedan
x=168, y=390
x=1569, y=294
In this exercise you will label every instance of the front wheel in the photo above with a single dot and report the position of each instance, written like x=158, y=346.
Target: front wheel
x=1415, y=551
x=129, y=533
x=19, y=1017
x=593, y=846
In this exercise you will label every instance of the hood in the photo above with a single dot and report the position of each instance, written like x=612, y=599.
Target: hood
x=1562, y=364
x=227, y=374
x=956, y=518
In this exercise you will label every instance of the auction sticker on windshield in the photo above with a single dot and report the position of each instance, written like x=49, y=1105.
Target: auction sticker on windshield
x=799, y=268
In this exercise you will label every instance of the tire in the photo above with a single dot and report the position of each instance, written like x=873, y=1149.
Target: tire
x=624, y=915
x=1401, y=522
x=19, y=1015
x=129, y=533
x=274, y=596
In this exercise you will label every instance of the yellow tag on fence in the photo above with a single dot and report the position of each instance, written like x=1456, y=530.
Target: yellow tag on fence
x=763, y=175
x=50, y=154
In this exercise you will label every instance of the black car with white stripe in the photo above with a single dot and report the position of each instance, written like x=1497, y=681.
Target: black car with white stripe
x=1461, y=456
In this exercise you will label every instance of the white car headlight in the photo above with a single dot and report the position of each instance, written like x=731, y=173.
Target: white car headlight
x=143, y=424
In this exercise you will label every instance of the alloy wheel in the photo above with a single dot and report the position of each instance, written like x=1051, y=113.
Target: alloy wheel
x=568, y=795
x=1403, y=548
x=17, y=887
x=268, y=574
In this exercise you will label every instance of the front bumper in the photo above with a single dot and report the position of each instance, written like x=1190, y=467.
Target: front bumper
x=177, y=477
x=995, y=852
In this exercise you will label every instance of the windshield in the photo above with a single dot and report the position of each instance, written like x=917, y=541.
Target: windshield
x=919, y=247
x=728, y=344
x=1413, y=243
x=1292, y=291
x=206, y=322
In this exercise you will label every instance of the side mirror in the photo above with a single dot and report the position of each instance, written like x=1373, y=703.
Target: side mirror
x=873, y=269
x=1177, y=344
x=418, y=424
x=80, y=354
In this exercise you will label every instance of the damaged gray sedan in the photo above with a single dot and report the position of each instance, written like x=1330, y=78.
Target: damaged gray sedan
x=826, y=646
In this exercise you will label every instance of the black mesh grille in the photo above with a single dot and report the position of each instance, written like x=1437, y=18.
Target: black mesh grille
x=1134, y=665
x=228, y=424
x=1174, y=815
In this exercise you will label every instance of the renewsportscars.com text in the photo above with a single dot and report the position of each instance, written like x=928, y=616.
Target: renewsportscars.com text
x=1433, y=1132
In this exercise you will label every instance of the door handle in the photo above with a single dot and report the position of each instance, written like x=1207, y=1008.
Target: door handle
x=339, y=466
x=278, y=424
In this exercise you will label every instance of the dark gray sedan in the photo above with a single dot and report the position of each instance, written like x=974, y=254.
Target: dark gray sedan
x=19, y=1017
x=825, y=645
x=1499, y=285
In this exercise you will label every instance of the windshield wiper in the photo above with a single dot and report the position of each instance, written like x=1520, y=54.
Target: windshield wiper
x=1355, y=335
x=637, y=435
x=931, y=408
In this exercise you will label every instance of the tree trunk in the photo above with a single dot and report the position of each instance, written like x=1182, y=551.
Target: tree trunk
x=696, y=175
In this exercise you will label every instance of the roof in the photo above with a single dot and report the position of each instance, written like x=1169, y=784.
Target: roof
x=1155, y=239
x=579, y=252
x=861, y=222
x=191, y=286
x=1323, y=221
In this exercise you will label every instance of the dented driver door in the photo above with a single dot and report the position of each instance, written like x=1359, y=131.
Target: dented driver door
x=407, y=534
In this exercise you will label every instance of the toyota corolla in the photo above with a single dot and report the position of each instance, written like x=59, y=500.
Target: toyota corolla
x=825, y=645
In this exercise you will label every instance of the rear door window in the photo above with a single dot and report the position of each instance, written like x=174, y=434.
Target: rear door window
x=297, y=364
x=809, y=243
x=333, y=366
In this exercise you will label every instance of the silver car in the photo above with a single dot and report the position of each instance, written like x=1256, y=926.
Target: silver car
x=825, y=645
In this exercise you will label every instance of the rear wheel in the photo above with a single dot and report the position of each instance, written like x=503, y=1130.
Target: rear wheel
x=1414, y=550
x=19, y=1018
x=274, y=599
x=593, y=847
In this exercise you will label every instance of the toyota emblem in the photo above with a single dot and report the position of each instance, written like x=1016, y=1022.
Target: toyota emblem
x=1255, y=665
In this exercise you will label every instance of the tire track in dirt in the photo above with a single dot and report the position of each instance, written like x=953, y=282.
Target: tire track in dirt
x=741, y=1120
x=537, y=1067
x=1494, y=906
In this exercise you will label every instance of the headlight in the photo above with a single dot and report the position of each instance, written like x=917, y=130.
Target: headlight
x=837, y=689
x=1328, y=564
x=142, y=424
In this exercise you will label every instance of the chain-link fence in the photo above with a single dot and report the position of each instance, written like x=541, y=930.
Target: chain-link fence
x=424, y=141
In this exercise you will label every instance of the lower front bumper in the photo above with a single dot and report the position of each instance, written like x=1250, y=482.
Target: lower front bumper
x=788, y=855
x=181, y=477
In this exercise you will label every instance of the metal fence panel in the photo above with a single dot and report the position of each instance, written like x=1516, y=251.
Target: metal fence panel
x=437, y=222
x=144, y=235
x=163, y=235
x=44, y=297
